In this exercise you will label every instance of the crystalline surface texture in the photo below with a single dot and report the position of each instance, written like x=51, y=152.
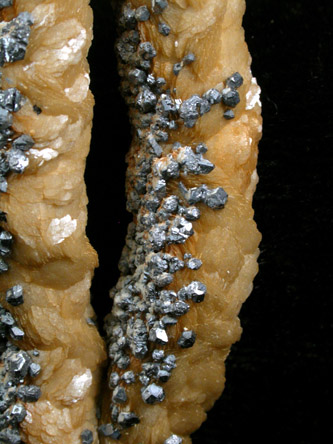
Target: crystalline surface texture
x=226, y=241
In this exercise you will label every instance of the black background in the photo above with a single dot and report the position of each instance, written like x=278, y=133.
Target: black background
x=278, y=375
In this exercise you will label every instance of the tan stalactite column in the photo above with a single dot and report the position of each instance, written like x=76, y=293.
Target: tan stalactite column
x=46, y=210
x=226, y=241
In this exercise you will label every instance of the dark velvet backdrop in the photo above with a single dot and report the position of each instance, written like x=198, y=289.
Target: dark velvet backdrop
x=278, y=375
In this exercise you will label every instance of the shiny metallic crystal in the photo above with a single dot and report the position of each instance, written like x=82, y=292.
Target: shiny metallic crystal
x=144, y=379
x=5, y=134
x=146, y=51
x=114, y=409
x=191, y=213
x=3, y=264
x=175, y=264
x=180, y=308
x=17, y=161
x=127, y=419
x=170, y=361
x=6, y=119
x=14, y=295
x=123, y=362
x=6, y=238
x=163, y=375
x=29, y=393
x=157, y=149
x=195, y=194
x=16, y=333
x=146, y=100
x=194, y=163
x=161, y=136
x=157, y=264
x=4, y=251
x=196, y=291
x=5, y=3
x=160, y=82
x=177, y=67
x=4, y=166
x=137, y=76
x=216, y=198
x=229, y=114
x=23, y=143
x=138, y=336
x=152, y=394
x=150, y=368
x=201, y=148
x=159, y=188
x=213, y=96
x=119, y=395
x=37, y=109
x=142, y=14
x=188, y=58
x=87, y=437
x=164, y=29
x=158, y=6
x=158, y=355
x=235, y=80
x=189, y=110
x=179, y=231
x=109, y=431
x=128, y=377
x=14, y=38
x=194, y=264
x=157, y=237
x=7, y=319
x=16, y=414
x=173, y=439
x=166, y=105
x=17, y=365
x=204, y=107
x=187, y=339
x=11, y=99
x=127, y=18
x=158, y=335
x=34, y=369
x=168, y=320
x=151, y=81
x=230, y=97
x=10, y=436
x=168, y=169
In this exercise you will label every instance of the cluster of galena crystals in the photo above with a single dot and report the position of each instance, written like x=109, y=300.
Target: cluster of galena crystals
x=16, y=365
x=143, y=306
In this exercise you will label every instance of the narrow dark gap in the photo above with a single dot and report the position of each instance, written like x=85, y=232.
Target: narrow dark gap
x=105, y=172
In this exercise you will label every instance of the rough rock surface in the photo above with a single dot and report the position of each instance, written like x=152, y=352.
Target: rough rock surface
x=46, y=212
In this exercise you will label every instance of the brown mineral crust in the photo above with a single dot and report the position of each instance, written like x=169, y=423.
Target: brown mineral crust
x=226, y=241
x=46, y=212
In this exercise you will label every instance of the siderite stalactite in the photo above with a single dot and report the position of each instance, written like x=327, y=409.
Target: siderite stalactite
x=48, y=335
x=17, y=367
x=184, y=203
